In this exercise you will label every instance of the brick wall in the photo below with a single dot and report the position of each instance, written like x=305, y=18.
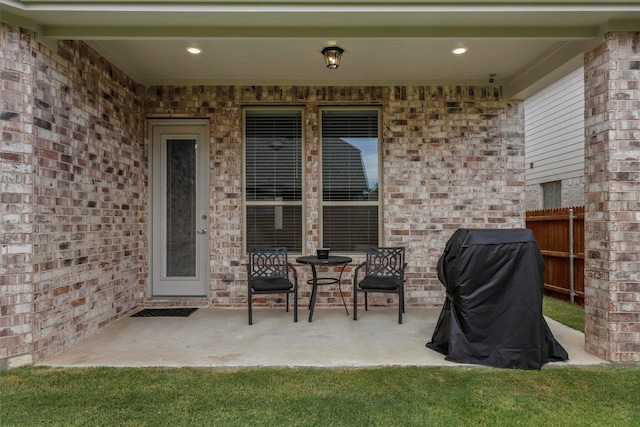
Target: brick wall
x=573, y=192
x=612, y=218
x=452, y=157
x=74, y=174
x=89, y=195
x=16, y=195
x=533, y=197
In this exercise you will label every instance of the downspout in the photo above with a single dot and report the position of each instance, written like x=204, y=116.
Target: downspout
x=572, y=256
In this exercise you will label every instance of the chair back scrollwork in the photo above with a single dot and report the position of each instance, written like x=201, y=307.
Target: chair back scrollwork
x=385, y=262
x=268, y=262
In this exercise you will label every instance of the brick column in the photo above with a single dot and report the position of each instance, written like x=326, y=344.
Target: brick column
x=612, y=199
x=16, y=198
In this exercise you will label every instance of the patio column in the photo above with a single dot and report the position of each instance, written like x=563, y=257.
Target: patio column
x=16, y=199
x=612, y=207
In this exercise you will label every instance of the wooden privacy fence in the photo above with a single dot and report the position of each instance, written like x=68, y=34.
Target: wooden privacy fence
x=560, y=235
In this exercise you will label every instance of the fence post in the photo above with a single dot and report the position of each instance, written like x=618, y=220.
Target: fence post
x=572, y=255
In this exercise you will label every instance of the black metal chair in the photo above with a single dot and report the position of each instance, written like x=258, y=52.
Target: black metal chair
x=268, y=273
x=384, y=273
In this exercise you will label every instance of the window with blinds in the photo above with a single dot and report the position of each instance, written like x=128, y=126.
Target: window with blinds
x=350, y=156
x=273, y=178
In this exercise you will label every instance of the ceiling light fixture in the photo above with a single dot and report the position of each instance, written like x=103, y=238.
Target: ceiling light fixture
x=332, y=55
x=459, y=51
x=194, y=50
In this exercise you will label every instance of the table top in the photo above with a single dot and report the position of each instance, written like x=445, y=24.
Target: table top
x=331, y=260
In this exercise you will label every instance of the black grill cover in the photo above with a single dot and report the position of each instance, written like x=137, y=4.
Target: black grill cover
x=493, y=312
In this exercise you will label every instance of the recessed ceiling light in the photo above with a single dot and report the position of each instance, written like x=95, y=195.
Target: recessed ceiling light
x=459, y=51
x=194, y=50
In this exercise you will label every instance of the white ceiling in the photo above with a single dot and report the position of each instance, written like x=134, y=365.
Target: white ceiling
x=261, y=42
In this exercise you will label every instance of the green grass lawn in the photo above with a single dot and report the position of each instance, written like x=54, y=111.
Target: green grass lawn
x=571, y=315
x=390, y=396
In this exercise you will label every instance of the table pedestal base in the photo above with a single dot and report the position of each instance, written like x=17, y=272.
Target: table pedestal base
x=321, y=281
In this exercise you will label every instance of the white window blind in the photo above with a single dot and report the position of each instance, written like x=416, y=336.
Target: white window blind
x=350, y=179
x=273, y=178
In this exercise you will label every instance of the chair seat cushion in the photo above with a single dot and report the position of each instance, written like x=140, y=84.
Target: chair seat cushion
x=380, y=283
x=271, y=284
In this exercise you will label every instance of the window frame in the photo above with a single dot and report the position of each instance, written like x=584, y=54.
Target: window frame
x=379, y=203
x=301, y=203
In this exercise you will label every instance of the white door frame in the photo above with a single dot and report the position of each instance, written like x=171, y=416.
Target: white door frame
x=159, y=284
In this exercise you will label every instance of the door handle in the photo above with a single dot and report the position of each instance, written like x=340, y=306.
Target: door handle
x=203, y=231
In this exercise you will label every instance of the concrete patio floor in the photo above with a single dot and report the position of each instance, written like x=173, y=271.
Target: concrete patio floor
x=222, y=338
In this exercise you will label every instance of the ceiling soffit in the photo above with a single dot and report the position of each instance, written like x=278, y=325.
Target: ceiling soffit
x=551, y=35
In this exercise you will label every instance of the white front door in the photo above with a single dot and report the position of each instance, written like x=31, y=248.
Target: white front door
x=180, y=208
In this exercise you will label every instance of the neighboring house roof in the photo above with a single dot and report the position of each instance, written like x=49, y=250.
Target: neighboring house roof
x=279, y=42
x=344, y=174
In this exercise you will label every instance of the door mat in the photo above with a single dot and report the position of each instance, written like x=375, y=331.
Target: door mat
x=165, y=312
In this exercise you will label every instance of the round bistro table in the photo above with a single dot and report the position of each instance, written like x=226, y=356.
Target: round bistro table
x=316, y=281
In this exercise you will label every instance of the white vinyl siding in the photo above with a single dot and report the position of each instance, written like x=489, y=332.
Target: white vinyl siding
x=554, y=131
